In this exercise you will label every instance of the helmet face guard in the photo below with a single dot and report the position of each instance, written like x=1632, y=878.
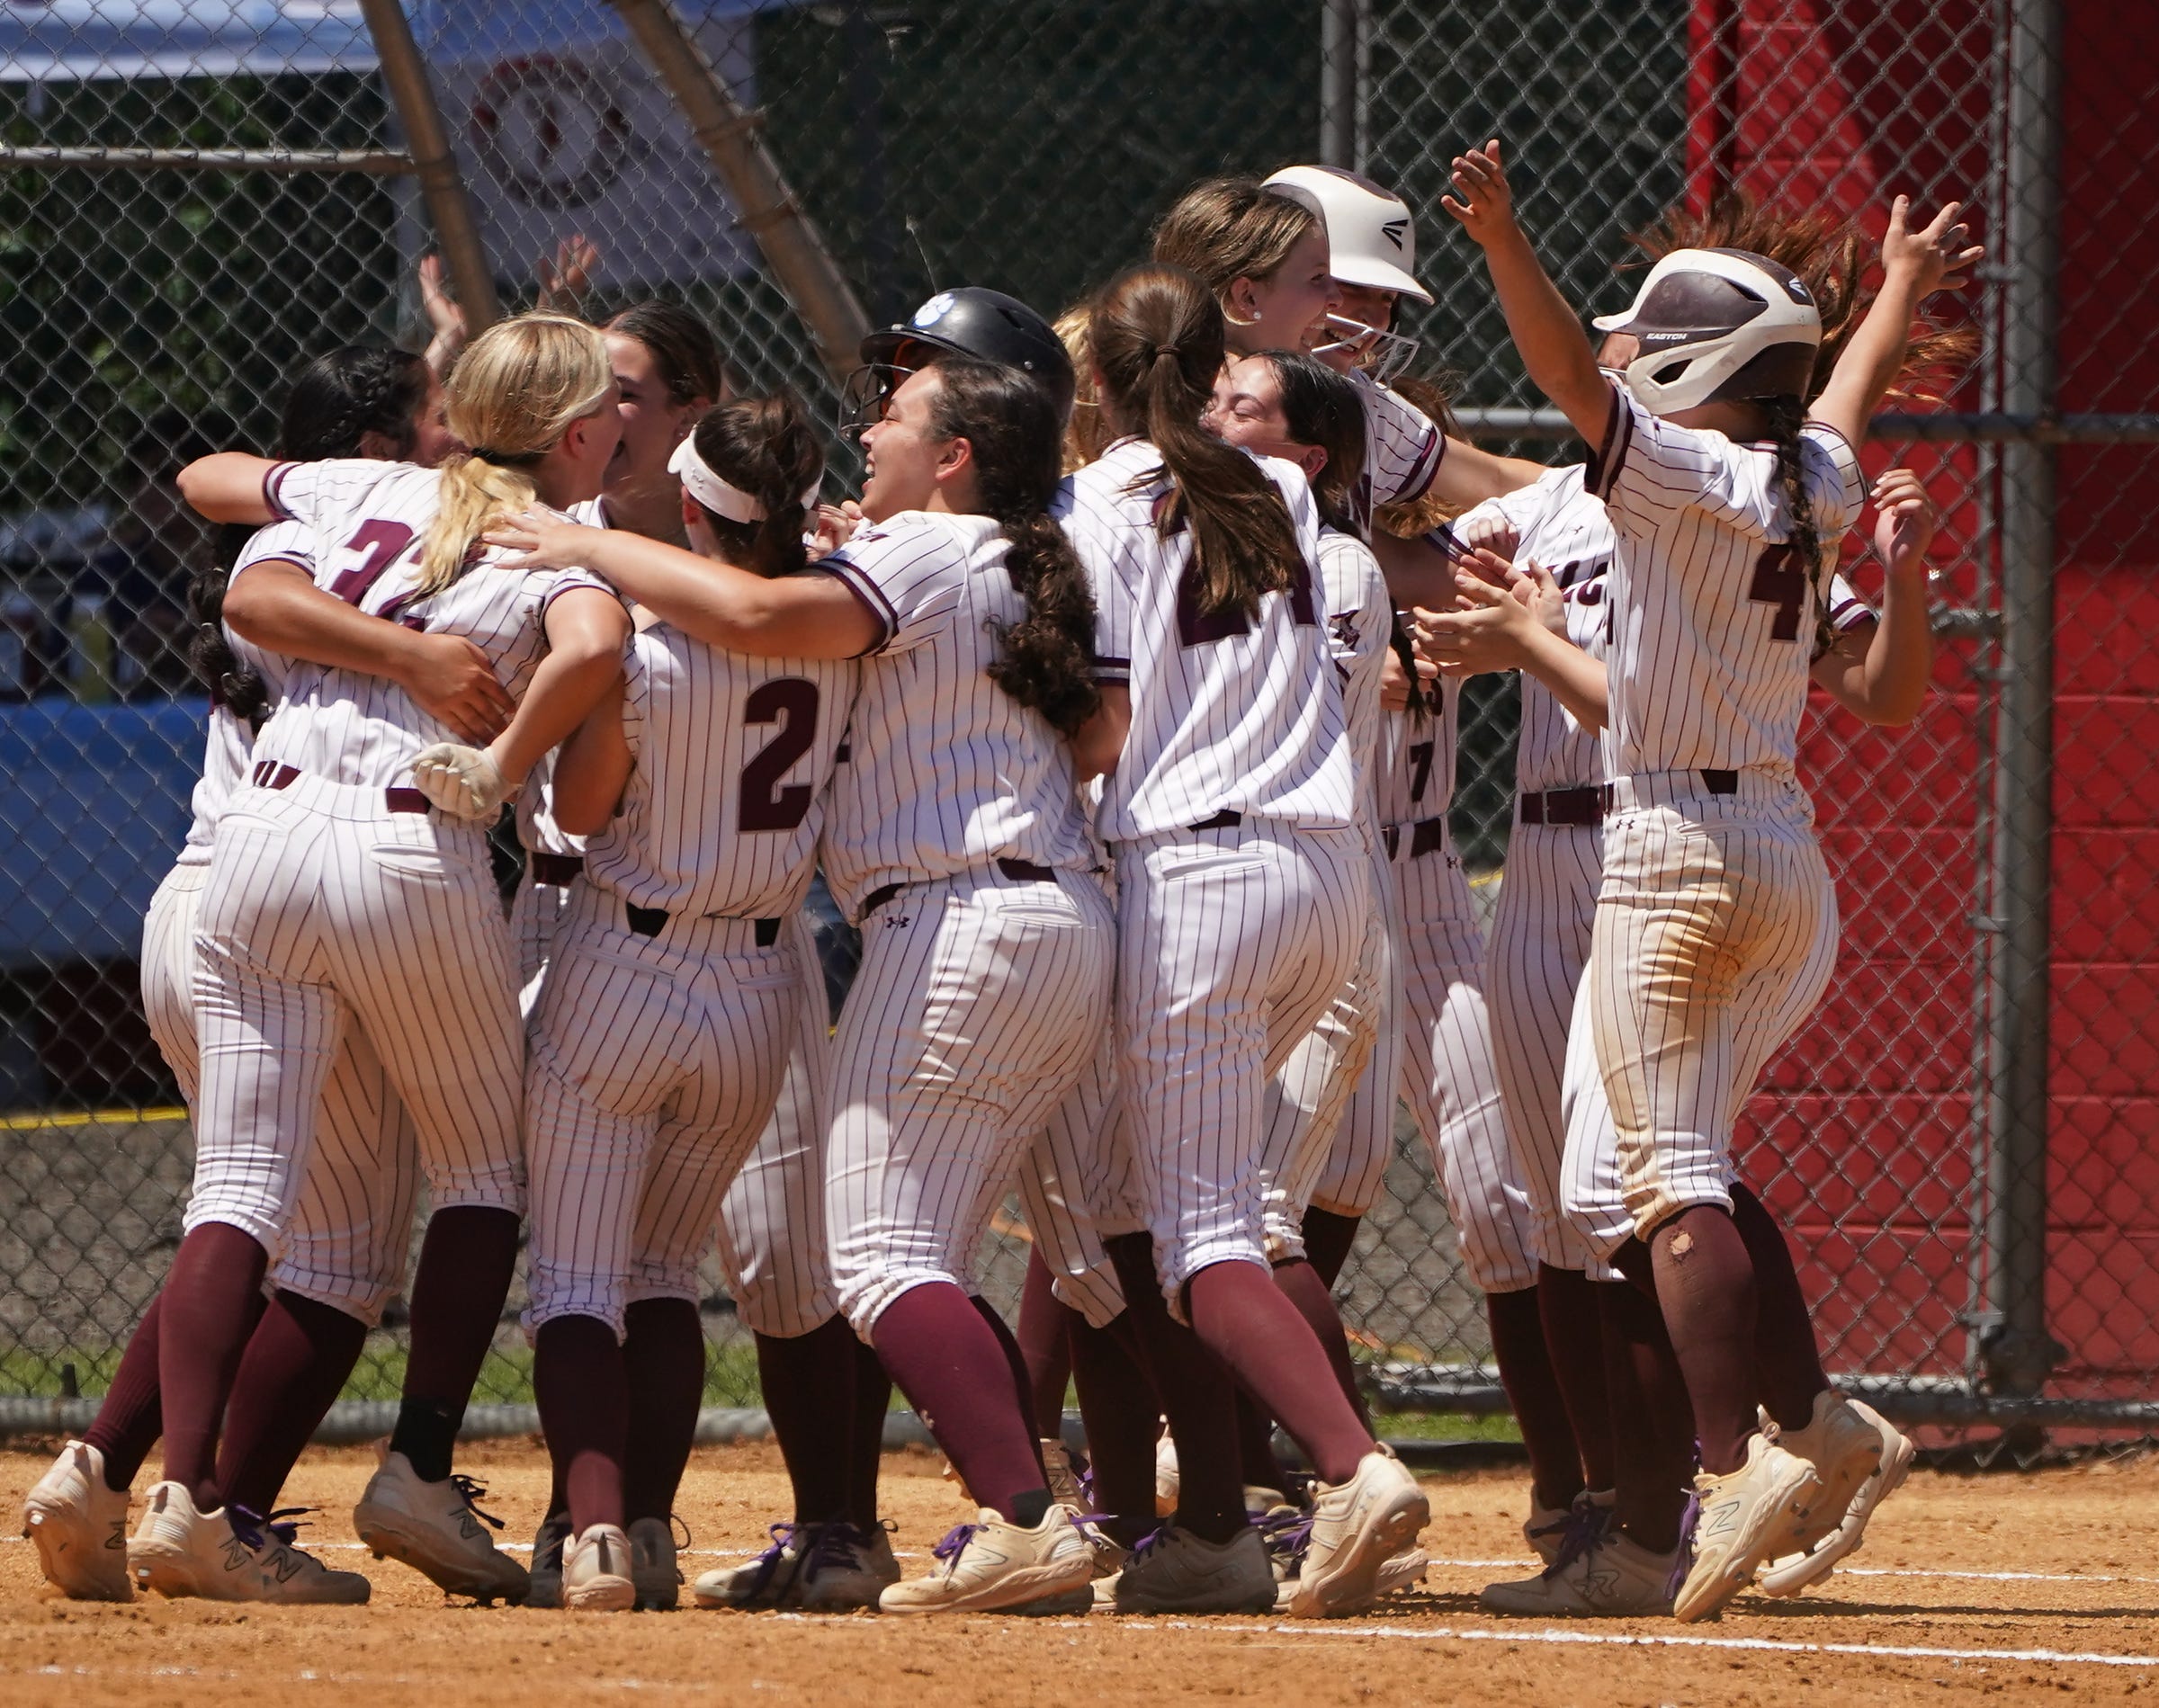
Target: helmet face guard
x=1380, y=353
x=1718, y=324
x=867, y=393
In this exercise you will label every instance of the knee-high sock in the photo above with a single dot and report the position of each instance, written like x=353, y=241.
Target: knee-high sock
x=1240, y=1314
x=129, y=1419
x=295, y=1366
x=1518, y=1344
x=865, y=1457
x=1022, y=1385
x=1654, y=1450
x=663, y=1356
x=212, y=1298
x=1706, y=1289
x=1786, y=1355
x=580, y=1381
x=1304, y=1285
x=809, y=1383
x=457, y=1295
x=961, y=1382
x=1122, y=1416
x=1044, y=1336
x=1196, y=1393
x=1328, y=1241
x=1566, y=1307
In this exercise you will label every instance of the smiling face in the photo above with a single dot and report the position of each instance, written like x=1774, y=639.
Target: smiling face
x=652, y=423
x=1287, y=309
x=432, y=438
x=1246, y=411
x=902, y=452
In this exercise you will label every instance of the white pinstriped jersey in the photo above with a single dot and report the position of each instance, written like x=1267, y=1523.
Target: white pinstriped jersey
x=1227, y=713
x=1403, y=445
x=367, y=520
x=945, y=771
x=536, y=827
x=230, y=747
x=730, y=759
x=1713, y=619
x=1360, y=617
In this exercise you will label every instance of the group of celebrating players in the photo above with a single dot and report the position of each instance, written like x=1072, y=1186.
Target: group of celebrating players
x=1120, y=713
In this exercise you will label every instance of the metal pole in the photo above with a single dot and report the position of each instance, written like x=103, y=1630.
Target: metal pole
x=442, y=187
x=764, y=205
x=378, y=162
x=2019, y=1354
x=1338, y=83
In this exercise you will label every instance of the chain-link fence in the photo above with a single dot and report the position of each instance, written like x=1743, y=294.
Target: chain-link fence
x=192, y=209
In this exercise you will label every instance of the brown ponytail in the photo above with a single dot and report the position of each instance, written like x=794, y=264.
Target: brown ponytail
x=765, y=447
x=1158, y=341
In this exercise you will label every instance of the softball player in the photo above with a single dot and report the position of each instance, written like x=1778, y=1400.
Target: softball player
x=953, y=837
x=353, y=1219
x=1716, y=929
x=337, y=896
x=1242, y=892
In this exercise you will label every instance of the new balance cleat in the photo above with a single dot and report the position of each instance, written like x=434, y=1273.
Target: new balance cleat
x=993, y=1565
x=181, y=1551
x=544, y=1578
x=1356, y=1528
x=1174, y=1572
x=652, y=1567
x=436, y=1528
x=80, y=1526
x=1611, y=1576
x=1745, y=1516
x=1797, y=1571
x=595, y=1571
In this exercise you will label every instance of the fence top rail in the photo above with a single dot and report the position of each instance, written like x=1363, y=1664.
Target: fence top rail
x=1948, y=427
x=382, y=162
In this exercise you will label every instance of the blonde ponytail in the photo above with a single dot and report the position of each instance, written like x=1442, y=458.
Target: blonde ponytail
x=512, y=395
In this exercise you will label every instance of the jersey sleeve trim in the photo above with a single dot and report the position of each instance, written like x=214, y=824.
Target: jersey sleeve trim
x=872, y=598
x=1425, y=470
x=1606, y=460
x=274, y=481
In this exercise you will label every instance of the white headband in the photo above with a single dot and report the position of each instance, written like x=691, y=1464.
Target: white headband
x=720, y=497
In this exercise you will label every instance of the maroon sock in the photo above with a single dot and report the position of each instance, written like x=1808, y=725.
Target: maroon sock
x=1328, y=1241
x=865, y=1457
x=1304, y=1286
x=212, y=1297
x=579, y=1380
x=1123, y=1419
x=1023, y=1386
x=808, y=1382
x=1195, y=1392
x=1785, y=1352
x=1240, y=1314
x=1654, y=1455
x=296, y=1363
x=1518, y=1348
x=955, y=1373
x=456, y=1297
x=1566, y=1307
x=1256, y=1459
x=663, y=1357
x=128, y=1418
x=1706, y=1289
x=1044, y=1338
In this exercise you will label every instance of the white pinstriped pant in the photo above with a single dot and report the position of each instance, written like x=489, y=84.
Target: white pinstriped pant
x=980, y=1000
x=352, y=1227
x=536, y=916
x=655, y=1062
x=1231, y=946
x=323, y=910
x=1054, y=1190
x=1540, y=943
x=1716, y=936
x=1354, y=1170
x=1452, y=1091
x=1310, y=1139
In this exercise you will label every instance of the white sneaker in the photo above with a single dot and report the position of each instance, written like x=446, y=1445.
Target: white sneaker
x=180, y=1551
x=1745, y=1517
x=434, y=1528
x=1174, y=1572
x=993, y=1564
x=1545, y=1529
x=288, y=1573
x=1612, y=1578
x=1558, y=1537
x=1798, y=1571
x=543, y=1576
x=1354, y=1528
x=80, y=1527
x=1403, y=1571
x=1845, y=1449
x=652, y=1567
x=595, y=1571
x=845, y=1569
x=1166, y=1478
x=767, y=1581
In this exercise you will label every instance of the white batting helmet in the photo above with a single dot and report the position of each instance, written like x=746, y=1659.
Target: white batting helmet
x=1718, y=323
x=1371, y=240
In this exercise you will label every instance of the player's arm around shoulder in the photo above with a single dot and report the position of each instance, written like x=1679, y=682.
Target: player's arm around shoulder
x=592, y=768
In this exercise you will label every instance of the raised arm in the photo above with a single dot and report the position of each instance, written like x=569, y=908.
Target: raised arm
x=229, y=486
x=1547, y=331
x=1915, y=265
x=807, y=616
x=1880, y=671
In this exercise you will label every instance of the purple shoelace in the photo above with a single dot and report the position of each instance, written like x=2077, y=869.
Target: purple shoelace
x=768, y=1563
x=1684, y=1563
x=1586, y=1526
x=1285, y=1536
x=282, y=1525
x=954, y=1544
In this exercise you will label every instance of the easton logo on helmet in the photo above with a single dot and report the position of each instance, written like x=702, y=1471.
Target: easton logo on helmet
x=1393, y=229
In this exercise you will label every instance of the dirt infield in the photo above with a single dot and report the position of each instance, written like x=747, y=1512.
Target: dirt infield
x=2010, y=1585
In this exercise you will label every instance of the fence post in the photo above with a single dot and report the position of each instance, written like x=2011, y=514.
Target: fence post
x=2018, y=1351
x=449, y=209
x=1345, y=62
x=764, y=205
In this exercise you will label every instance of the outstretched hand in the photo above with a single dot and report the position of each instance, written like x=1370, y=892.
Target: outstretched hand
x=1905, y=519
x=1486, y=206
x=543, y=539
x=564, y=280
x=1939, y=256
x=445, y=319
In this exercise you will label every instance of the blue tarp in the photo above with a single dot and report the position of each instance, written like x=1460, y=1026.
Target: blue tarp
x=94, y=805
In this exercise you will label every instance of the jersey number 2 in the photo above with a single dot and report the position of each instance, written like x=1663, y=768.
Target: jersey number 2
x=380, y=544
x=767, y=804
x=1776, y=583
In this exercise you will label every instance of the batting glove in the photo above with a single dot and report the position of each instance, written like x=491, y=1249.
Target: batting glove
x=463, y=782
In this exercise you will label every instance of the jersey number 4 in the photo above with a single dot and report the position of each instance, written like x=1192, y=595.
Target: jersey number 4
x=768, y=804
x=1776, y=583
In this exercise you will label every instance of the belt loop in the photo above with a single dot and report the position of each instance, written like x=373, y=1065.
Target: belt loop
x=768, y=933
x=647, y=922
x=1720, y=782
